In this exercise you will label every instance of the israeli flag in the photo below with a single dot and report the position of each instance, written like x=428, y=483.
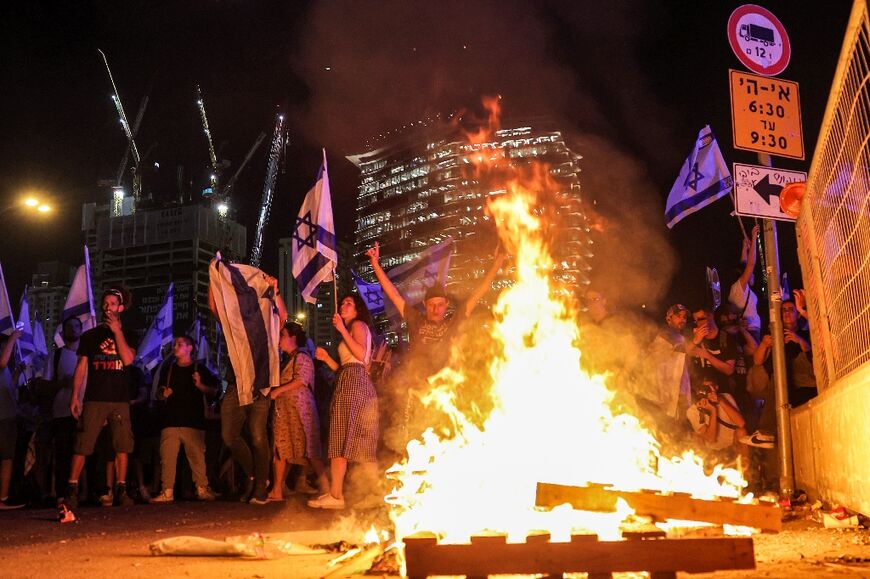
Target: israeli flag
x=371, y=293
x=158, y=335
x=7, y=319
x=79, y=302
x=203, y=354
x=703, y=179
x=429, y=268
x=26, y=348
x=314, y=250
x=39, y=344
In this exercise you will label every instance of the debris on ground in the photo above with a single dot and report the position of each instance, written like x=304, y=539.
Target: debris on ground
x=255, y=546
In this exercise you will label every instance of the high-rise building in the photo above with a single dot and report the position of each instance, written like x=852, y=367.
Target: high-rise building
x=420, y=188
x=148, y=248
x=47, y=294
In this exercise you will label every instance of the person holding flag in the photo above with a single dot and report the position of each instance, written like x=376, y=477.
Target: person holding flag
x=251, y=311
x=10, y=333
x=104, y=357
x=430, y=333
x=79, y=302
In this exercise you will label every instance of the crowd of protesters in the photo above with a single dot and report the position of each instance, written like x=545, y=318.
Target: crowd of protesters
x=705, y=380
x=94, y=421
x=107, y=434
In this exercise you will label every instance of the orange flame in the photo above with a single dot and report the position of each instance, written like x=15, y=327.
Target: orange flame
x=550, y=421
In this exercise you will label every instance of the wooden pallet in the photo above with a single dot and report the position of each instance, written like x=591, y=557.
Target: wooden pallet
x=662, y=507
x=491, y=555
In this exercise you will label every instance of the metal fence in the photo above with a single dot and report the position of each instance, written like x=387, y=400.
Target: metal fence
x=834, y=224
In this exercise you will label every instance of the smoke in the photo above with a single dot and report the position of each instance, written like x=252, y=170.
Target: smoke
x=375, y=67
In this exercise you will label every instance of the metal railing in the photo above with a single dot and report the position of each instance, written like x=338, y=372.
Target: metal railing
x=834, y=224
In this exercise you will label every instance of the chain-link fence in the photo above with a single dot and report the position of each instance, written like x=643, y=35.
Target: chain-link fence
x=834, y=225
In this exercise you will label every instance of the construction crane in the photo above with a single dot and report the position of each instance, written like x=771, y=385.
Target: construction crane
x=128, y=131
x=278, y=140
x=200, y=103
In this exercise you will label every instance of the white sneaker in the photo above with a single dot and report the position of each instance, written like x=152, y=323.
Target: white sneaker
x=326, y=501
x=165, y=496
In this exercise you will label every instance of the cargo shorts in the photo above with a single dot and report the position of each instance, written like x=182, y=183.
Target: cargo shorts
x=94, y=414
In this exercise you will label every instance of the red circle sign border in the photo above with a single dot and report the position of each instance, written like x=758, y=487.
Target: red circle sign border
x=775, y=68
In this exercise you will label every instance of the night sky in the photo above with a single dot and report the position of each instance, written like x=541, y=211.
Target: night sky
x=632, y=82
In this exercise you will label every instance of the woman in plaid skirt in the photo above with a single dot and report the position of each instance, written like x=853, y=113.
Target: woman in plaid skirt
x=353, y=417
x=295, y=423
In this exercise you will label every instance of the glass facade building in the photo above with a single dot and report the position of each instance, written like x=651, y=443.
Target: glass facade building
x=422, y=188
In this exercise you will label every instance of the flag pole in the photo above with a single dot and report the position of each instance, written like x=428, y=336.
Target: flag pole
x=9, y=307
x=90, y=289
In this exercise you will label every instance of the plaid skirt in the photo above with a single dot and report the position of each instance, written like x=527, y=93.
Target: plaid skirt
x=353, y=416
x=296, y=426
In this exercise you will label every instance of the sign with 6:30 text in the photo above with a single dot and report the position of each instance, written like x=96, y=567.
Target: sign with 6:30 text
x=766, y=115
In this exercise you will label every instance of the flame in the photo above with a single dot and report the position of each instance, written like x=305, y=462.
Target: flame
x=550, y=421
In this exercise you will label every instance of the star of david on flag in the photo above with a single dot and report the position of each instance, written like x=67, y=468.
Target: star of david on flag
x=703, y=179
x=158, y=335
x=371, y=293
x=314, y=253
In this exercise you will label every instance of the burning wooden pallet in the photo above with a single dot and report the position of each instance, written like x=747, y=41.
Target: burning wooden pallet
x=662, y=507
x=491, y=555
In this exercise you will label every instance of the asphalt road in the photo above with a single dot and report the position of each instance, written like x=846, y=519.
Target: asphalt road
x=113, y=542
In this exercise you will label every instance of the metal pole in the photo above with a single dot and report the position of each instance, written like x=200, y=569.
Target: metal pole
x=783, y=420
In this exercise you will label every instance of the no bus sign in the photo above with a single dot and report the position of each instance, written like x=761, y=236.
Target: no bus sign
x=759, y=40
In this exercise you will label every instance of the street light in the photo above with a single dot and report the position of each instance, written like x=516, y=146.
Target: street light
x=29, y=204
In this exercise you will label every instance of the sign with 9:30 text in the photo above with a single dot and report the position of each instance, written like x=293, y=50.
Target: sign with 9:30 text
x=766, y=115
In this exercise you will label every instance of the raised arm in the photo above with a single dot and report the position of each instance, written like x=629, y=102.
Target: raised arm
x=374, y=254
x=279, y=301
x=497, y=261
x=751, y=254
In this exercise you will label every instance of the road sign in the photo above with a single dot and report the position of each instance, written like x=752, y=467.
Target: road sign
x=759, y=40
x=756, y=190
x=766, y=115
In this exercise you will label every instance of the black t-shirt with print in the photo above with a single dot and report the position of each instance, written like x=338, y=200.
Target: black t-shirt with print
x=430, y=341
x=724, y=348
x=108, y=378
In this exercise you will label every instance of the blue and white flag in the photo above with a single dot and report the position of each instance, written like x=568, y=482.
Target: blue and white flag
x=26, y=348
x=202, y=356
x=79, y=302
x=703, y=179
x=158, y=335
x=39, y=344
x=245, y=304
x=314, y=250
x=371, y=293
x=7, y=318
x=429, y=268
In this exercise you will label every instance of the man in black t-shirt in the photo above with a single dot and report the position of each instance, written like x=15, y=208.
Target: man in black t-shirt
x=714, y=353
x=182, y=386
x=104, y=354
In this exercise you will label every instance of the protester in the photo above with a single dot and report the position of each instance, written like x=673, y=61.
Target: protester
x=730, y=322
x=103, y=357
x=182, y=387
x=8, y=414
x=430, y=335
x=60, y=373
x=671, y=392
x=800, y=375
x=713, y=352
x=353, y=422
x=740, y=293
x=238, y=302
x=295, y=422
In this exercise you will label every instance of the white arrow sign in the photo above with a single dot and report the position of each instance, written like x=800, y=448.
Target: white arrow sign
x=757, y=188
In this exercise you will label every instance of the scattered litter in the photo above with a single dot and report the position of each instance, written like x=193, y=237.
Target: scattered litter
x=833, y=521
x=254, y=546
x=64, y=515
